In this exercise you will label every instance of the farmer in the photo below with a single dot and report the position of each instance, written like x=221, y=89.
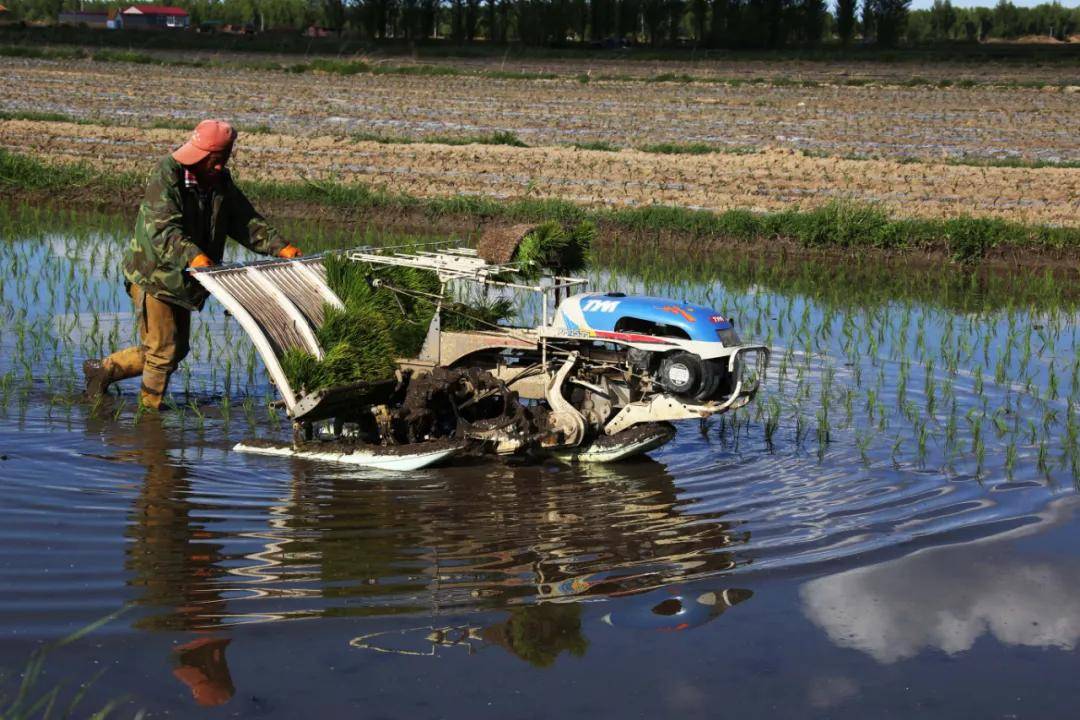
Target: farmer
x=191, y=204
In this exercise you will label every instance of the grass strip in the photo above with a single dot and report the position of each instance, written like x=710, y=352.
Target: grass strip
x=670, y=148
x=502, y=137
x=337, y=66
x=23, y=172
x=837, y=225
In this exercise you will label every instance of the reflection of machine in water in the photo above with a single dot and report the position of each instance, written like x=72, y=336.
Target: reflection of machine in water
x=539, y=633
x=681, y=610
x=508, y=536
x=489, y=536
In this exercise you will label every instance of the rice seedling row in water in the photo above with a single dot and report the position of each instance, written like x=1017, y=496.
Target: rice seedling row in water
x=905, y=381
x=923, y=416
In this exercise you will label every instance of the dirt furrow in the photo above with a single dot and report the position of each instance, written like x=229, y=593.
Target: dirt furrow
x=923, y=122
x=771, y=180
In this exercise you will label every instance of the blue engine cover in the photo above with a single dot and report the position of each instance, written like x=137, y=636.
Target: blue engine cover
x=602, y=310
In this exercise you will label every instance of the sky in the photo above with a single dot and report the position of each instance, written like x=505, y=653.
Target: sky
x=925, y=4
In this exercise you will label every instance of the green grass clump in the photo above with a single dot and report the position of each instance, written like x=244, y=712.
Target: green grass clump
x=380, y=138
x=42, y=53
x=500, y=137
x=171, y=124
x=416, y=70
x=601, y=145
x=41, y=117
x=517, y=75
x=969, y=238
x=680, y=149
x=25, y=172
x=672, y=77
x=839, y=224
x=697, y=148
x=339, y=67
x=552, y=246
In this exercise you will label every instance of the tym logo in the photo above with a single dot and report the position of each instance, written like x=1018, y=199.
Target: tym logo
x=601, y=306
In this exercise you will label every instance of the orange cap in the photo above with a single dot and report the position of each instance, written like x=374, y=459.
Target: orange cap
x=209, y=136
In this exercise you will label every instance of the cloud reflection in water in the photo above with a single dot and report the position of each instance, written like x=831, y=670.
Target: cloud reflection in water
x=946, y=599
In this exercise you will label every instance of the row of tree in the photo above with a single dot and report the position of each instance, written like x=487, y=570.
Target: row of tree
x=658, y=23
x=945, y=22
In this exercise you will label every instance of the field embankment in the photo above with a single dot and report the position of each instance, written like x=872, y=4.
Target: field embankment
x=987, y=170
x=830, y=230
x=770, y=181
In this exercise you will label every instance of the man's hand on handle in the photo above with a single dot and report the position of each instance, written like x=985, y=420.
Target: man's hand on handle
x=201, y=261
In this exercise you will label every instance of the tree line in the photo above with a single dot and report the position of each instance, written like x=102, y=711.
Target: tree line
x=943, y=22
x=734, y=24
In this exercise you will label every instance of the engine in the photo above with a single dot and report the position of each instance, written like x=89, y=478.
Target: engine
x=689, y=377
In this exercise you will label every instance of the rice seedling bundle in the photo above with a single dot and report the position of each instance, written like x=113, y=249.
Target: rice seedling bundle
x=552, y=246
x=387, y=310
x=385, y=316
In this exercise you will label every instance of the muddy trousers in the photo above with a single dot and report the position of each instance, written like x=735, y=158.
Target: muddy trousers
x=164, y=333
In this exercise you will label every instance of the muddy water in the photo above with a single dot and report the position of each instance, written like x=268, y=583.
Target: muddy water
x=852, y=546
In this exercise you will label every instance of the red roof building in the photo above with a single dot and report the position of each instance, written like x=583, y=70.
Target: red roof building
x=155, y=16
x=155, y=10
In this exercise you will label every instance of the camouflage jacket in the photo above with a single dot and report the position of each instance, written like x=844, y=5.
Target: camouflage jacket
x=178, y=221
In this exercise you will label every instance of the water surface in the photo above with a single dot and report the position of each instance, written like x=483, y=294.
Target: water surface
x=888, y=530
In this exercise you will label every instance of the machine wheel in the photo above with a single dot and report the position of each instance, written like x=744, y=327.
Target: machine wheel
x=691, y=378
x=681, y=373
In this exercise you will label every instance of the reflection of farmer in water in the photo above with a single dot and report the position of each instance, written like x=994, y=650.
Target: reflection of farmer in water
x=200, y=664
x=171, y=561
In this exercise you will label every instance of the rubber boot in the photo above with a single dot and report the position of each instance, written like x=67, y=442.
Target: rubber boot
x=149, y=401
x=98, y=378
x=121, y=365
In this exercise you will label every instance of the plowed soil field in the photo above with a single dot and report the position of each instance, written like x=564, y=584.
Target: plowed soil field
x=798, y=146
x=770, y=180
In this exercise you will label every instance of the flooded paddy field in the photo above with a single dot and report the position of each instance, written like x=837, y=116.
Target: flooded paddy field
x=889, y=529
